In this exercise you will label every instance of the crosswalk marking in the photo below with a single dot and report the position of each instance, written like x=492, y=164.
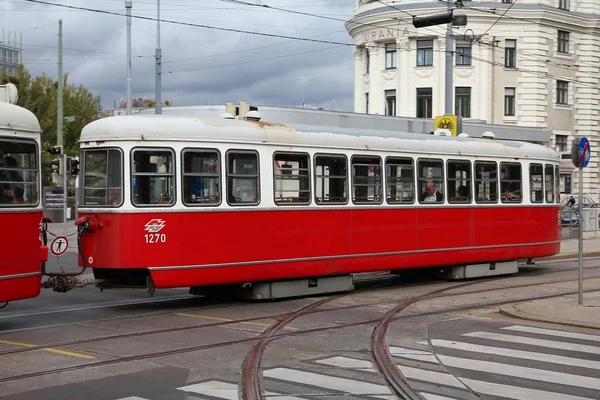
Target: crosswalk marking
x=518, y=393
x=419, y=355
x=440, y=378
x=346, y=362
x=345, y=385
x=132, y=398
x=521, y=372
x=525, y=355
x=431, y=396
x=534, y=342
x=553, y=332
x=225, y=391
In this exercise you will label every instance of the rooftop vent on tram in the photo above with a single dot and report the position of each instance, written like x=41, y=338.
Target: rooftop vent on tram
x=442, y=132
x=252, y=116
x=227, y=115
x=488, y=135
x=463, y=134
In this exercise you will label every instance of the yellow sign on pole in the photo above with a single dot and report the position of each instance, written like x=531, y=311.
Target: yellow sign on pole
x=449, y=122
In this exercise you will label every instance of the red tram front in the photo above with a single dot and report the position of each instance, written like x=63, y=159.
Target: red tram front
x=20, y=207
x=172, y=201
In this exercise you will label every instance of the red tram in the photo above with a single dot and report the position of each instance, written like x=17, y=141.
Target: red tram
x=20, y=207
x=177, y=201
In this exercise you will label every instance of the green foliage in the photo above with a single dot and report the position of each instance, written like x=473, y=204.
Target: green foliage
x=39, y=95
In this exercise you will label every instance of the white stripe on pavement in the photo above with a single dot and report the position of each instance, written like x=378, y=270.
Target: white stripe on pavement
x=133, y=398
x=226, y=391
x=519, y=393
x=349, y=386
x=535, y=342
x=552, y=332
x=346, y=362
x=420, y=355
x=431, y=396
x=521, y=372
x=495, y=389
x=525, y=355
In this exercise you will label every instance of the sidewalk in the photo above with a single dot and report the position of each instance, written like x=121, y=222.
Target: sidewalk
x=565, y=310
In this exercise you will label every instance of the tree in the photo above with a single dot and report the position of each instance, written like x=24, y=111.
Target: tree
x=39, y=95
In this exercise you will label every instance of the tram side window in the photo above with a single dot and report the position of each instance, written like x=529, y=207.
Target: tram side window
x=510, y=182
x=549, y=185
x=366, y=180
x=291, y=178
x=400, y=180
x=201, y=177
x=459, y=181
x=536, y=182
x=557, y=183
x=242, y=178
x=331, y=179
x=431, y=180
x=486, y=182
x=153, y=180
x=102, y=177
x=18, y=173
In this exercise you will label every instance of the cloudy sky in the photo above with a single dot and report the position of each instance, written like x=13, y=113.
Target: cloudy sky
x=200, y=65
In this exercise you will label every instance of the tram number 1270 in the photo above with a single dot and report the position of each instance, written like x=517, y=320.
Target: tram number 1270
x=155, y=237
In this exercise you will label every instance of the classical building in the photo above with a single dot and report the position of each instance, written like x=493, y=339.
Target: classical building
x=538, y=65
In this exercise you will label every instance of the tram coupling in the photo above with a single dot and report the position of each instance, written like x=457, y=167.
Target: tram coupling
x=65, y=281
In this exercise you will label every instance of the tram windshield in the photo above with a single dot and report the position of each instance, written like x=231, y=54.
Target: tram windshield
x=18, y=173
x=102, y=178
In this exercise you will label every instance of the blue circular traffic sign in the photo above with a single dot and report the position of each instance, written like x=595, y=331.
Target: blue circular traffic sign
x=584, y=152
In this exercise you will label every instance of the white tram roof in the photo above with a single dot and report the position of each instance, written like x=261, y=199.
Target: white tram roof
x=179, y=128
x=17, y=118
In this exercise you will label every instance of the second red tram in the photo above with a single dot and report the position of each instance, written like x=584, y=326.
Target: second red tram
x=20, y=206
x=176, y=201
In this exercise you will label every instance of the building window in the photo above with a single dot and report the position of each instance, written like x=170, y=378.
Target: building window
x=563, y=42
x=368, y=60
x=366, y=103
x=463, y=102
x=463, y=52
x=507, y=1
x=424, y=53
x=390, y=55
x=564, y=4
x=562, y=92
x=561, y=143
x=424, y=102
x=510, y=53
x=509, y=101
x=390, y=102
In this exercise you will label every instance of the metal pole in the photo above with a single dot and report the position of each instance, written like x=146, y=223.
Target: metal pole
x=65, y=160
x=580, y=235
x=449, y=64
x=157, y=106
x=128, y=9
x=59, y=126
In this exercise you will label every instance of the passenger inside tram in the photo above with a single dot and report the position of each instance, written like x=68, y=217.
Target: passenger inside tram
x=431, y=194
x=11, y=181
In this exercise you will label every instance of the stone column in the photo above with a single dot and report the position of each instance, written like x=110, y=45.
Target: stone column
x=359, y=82
x=376, y=95
x=439, y=65
x=484, y=100
x=404, y=99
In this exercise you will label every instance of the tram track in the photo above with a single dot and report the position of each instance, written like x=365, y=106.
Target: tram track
x=377, y=283
x=276, y=335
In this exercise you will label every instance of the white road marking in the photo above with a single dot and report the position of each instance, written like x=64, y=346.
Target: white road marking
x=535, y=342
x=225, y=390
x=553, y=332
x=431, y=396
x=519, y=393
x=440, y=378
x=419, y=355
x=345, y=385
x=525, y=355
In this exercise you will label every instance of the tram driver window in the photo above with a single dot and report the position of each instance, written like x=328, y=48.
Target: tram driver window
x=510, y=182
x=201, y=178
x=102, y=177
x=557, y=183
x=459, y=181
x=242, y=178
x=331, y=179
x=486, y=182
x=431, y=180
x=400, y=180
x=366, y=180
x=18, y=173
x=292, y=178
x=536, y=173
x=153, y=180
x=549, y=183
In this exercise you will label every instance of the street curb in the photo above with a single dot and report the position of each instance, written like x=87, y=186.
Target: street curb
x=571, y=255
x=512, y=311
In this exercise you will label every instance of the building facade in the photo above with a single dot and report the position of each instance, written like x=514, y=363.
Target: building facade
x=538, y=65
x=10, y=53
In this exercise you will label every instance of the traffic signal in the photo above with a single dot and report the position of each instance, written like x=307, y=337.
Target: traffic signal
x=55, y=166
x=55, y=150
x=74, y=166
